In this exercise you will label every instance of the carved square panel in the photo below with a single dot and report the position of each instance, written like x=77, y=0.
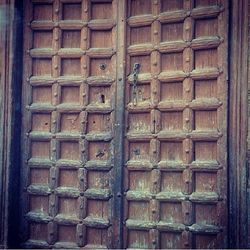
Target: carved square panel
x=205, y=182
x=41, y=67
x=42, y=94
x=41, y=122
x=70, y=67
x=99, y=123
x=68, y=206
x=43, y=12
x=143, y=93
x=203, y=3
x=206, y=27
x=171, y=212
x=42, y=39
x=172, y=61
x=71, y=11
x=171, y=181
x=101, y=38
x=171, y=5
x=70, y=94
x=171, y=91
x=172, y=120
x=171, y=151
x=171, y=32
x=99, y=95
x=139, y=122
x=205, y=88
x=140, y=7
x=97, y=209
x=71, y=38
x=39, y=176
x=206, y=214
x=206, y=120
x=39, y=203
x=205, y=241
x=101, y=67
x=97, y=236
x=143, y=60
x=69, y=150
x=139, y=151
x=70, y=122
x=205, y=151
x=99, y=150
x=138, y=210
x=169, y=240
x=40, y=149
x=140, y=35
x=98, y=179
x=206, y=58
x=101, y=10
x=66, y=233
x=38, y=231
x=138, y=239
x=139, y=180
x=68, y=178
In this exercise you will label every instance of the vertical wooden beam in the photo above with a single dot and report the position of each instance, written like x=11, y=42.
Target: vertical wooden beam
x=238, y=124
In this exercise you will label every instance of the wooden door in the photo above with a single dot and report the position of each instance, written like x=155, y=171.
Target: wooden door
x=172, y=179
x=176, y=120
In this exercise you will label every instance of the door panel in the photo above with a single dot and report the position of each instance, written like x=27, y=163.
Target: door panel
x=175, y=156
x=68, y=95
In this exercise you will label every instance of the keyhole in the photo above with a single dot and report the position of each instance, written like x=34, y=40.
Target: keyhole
x=102, y=98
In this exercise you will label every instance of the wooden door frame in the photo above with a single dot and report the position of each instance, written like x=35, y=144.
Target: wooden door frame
x=10, y=101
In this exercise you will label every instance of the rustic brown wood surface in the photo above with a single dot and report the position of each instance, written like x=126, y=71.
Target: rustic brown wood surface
x=175, y=156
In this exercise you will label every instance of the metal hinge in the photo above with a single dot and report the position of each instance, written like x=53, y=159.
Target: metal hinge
x=136, y=70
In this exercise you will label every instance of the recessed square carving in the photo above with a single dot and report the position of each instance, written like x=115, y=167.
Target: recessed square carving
x=70, y=94
x=39, y=203
x=101, y=38
x=206, y=120
x=206, y=27
x=40, y=149
x=70, y=122
x=68, y=178
x=171, y=181
x=143, y=93
x=205, y=241
x=41, y=67
x=101, y=10
x=39, y=176
x=97, y=236
x=99, y=95
x=38, y=231
x=171, y=32
x=101, y=67
x=99, y=123
x=172, y=61
x=200, y=3
x=144, y=62
x=205, y=151
x=97, y=209
x=171, y=5
x=41, y=122
x=171, y=120
x=169, y=240
x=140, y=35
x=205, y=88
x=171, y=212
x=206, y=214
x=171, y=91
x=140, y=7
x=206, y=58
x=138, y=210
x=139, y=180
x=139, y=122
x=171, y=151
x=70, y=66
x=68, y=206
x=99, y=151
x=42, y=39
x=69, y=150
x=71, y=38
x=98, y=179
x=41, y=95
x=71, y=11
x=139, y=151
x=66, y=233
x=43, y=12
x=138, y=239
x=205, y=182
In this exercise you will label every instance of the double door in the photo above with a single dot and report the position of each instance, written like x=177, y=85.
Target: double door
x=124, y=132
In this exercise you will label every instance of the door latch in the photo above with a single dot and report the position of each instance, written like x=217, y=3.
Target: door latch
x=136, y=70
